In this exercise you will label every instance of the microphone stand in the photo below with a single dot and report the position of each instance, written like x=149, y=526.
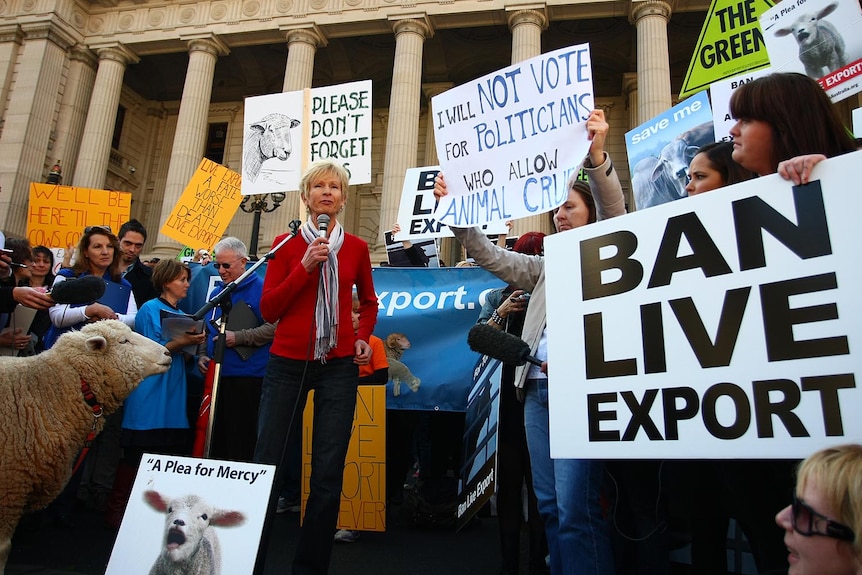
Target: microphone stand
x=222, y=300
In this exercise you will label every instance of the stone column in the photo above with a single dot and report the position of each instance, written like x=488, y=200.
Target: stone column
x=402, y=131
x=73, y=108
x=630, y=92
x=28, y=121
x=526, y=27
x=191, y=132
x=92, y=165
x=11, y=38
x=302, y=45
x=449, y=249
x=651, y=18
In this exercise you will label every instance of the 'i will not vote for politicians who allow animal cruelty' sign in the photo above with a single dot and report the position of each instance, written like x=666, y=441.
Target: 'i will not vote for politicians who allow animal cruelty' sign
x=508, y=141
x=726, y=325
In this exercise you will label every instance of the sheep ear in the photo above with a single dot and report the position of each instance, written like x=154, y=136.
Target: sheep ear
x=827, y=10
x=227, y=519
x=96, y=343
x=156, y=501
x=782, y=32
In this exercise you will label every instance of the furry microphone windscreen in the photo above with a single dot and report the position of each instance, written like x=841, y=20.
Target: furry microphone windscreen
x=83, y=290
x=500, y=345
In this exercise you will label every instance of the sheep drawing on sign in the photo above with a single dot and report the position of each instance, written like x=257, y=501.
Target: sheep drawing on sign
x=265, y=139
x=396, y=344
x=190, y=545
x=821, y=47
x=50, y=403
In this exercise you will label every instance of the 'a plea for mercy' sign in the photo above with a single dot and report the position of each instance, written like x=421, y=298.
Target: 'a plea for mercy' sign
x=508, y=141
x=723, y=325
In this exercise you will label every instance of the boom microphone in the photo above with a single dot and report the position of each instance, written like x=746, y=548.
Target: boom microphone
x=83, y=290
x=323, y=224
x=500, y=345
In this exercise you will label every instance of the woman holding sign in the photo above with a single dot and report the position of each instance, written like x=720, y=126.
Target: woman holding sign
x=567, y=490
x=781, y=116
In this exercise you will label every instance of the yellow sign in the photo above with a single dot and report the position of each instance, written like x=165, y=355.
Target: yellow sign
x=57, y=215
x=730, y=43
x=206, y=207
x=363, y=492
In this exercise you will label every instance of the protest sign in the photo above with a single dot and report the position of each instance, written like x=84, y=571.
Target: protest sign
x=416, y=211
x=730, y=43
x=226, y=500
x=57, y=215
x=720, y=93
x=286, y=132
x=819, y=38
x=660, y=150
x=206, y=207
x=363, y=490
x=508, y=141
x=478, y=475
x=718, y=326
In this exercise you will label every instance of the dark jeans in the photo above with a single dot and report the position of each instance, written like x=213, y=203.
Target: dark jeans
x=283, y=396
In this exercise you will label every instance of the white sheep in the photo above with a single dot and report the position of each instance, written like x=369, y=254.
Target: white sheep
x=821, y=47
x=190, y=545
x=45, y=417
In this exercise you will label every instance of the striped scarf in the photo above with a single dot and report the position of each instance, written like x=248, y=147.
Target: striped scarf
x=326, y=309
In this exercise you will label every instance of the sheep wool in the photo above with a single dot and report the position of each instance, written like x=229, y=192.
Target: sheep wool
x=45, y=417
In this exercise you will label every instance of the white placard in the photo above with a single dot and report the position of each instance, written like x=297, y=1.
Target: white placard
x=725, y=325
x=508, y=141
x=223, y=486
x=416, y=210
x=719, y=95
x=284, y=133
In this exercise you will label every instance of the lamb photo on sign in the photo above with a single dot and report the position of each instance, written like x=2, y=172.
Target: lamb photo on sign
x=508, y=141
x=271, y=130
x=818, y=38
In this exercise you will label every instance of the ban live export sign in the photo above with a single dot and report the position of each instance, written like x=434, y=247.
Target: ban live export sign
x=726, y=325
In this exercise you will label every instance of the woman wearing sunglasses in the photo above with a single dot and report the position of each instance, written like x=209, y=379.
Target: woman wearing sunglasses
x=823, y=524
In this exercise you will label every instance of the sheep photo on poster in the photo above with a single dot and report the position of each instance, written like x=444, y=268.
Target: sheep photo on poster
x=819, y=38
x=192, y=515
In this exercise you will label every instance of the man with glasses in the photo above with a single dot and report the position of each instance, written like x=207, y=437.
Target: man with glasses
x=132, y=237
x=247, y=341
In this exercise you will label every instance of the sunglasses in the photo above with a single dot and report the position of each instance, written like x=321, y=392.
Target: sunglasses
x=91, y=229
x=806, y=522
x=217, y=265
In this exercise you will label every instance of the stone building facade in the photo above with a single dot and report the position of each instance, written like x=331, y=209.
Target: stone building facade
x=131, y=94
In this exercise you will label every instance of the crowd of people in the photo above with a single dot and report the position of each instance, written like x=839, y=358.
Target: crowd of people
x=309, y=323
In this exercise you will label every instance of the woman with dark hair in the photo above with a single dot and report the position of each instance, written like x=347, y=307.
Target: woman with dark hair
x=713, y=167
x=42, y=270
x=98, y=254
x=781, y=116
x=504, y=309
x=154, y=415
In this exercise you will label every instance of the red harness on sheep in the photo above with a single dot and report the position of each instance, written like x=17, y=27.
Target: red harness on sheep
x=94, y=404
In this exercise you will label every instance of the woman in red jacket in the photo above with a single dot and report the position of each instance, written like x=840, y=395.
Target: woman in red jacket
x=308, y=290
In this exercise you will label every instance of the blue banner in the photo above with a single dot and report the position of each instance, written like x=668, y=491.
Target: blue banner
x=432, y=309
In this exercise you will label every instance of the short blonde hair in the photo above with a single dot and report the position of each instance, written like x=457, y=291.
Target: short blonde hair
x=320, y=169
x=838, y=474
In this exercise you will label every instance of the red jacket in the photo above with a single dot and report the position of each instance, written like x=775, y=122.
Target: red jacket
x=290, y=294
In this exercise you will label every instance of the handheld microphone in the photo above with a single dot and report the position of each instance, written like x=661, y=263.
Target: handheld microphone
x=83, y=290
x=323, y=224
x=500, y=345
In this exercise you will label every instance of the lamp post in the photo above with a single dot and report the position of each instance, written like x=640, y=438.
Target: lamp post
x=259, y=203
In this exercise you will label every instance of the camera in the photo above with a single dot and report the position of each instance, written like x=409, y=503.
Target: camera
x=523, y=297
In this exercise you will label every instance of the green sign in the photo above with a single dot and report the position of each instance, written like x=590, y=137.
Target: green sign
x=730, y=43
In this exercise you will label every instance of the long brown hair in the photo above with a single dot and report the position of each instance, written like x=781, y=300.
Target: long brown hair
x=82, y=264
x=800, y=113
